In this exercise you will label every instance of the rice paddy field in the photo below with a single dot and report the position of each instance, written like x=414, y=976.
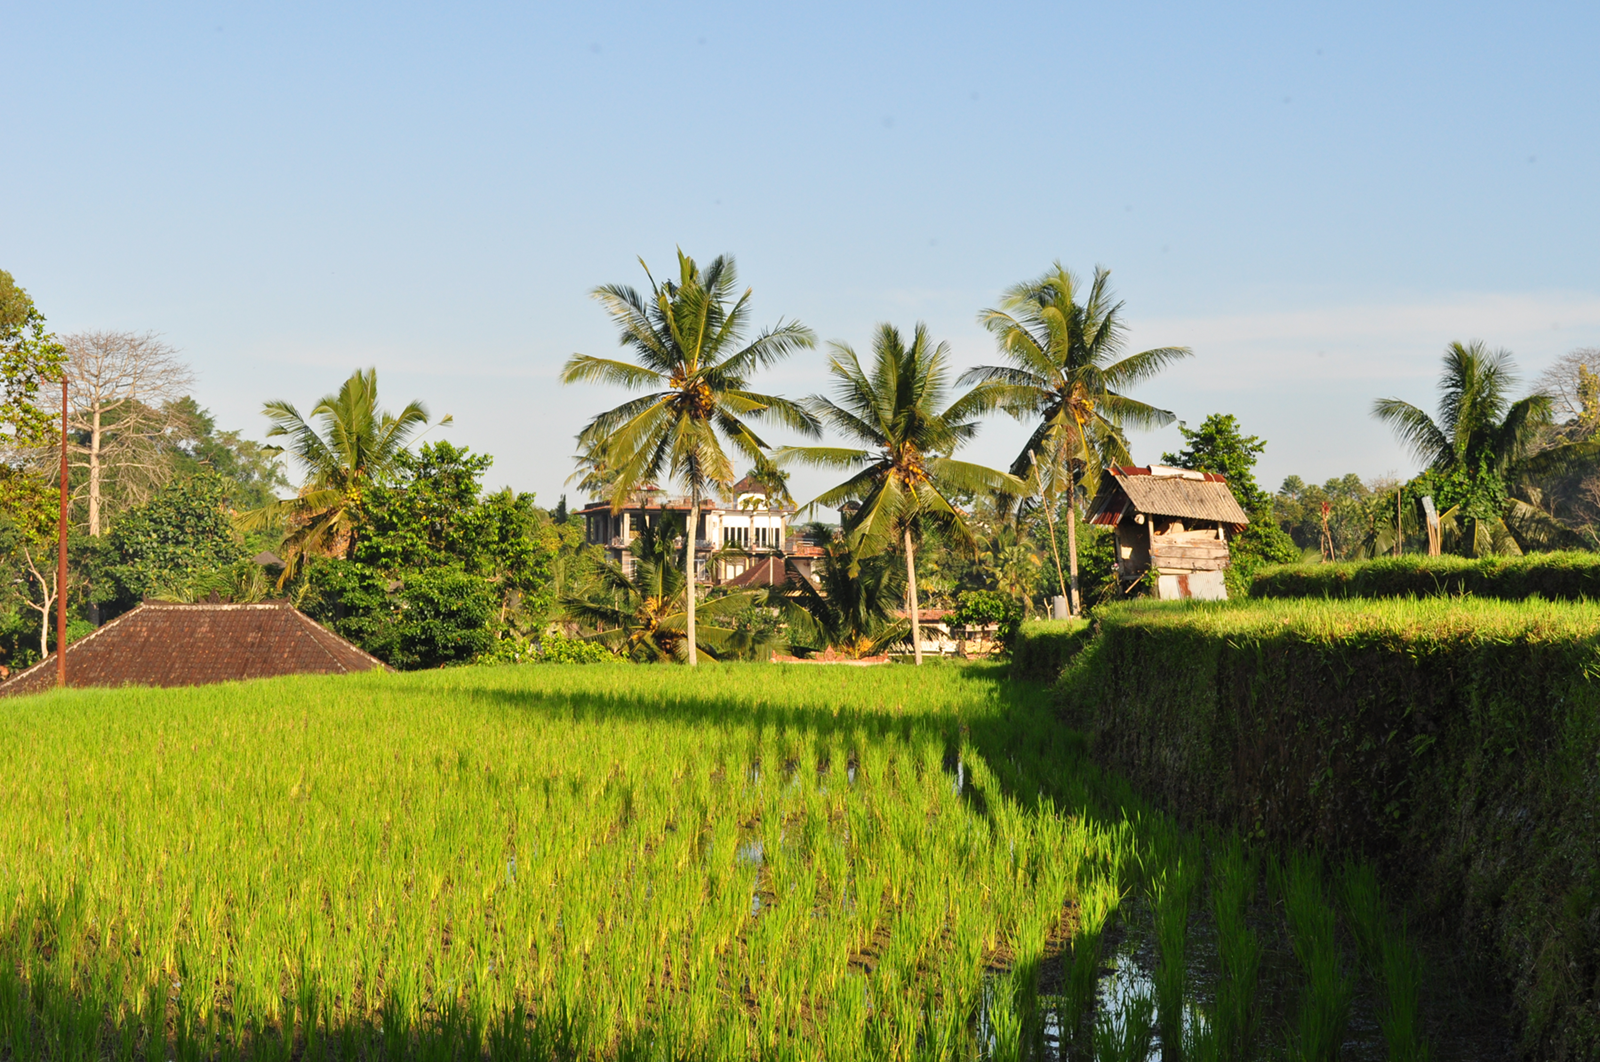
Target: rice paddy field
x=621, y=862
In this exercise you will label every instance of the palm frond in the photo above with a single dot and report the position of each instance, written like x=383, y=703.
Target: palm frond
x=1416, y=430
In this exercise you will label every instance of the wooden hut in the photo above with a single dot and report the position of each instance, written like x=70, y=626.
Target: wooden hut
x=1173, y=520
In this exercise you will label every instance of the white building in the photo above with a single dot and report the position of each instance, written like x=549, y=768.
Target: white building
x=729, y=539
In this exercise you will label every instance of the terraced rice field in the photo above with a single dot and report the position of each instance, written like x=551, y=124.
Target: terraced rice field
x=611, y=862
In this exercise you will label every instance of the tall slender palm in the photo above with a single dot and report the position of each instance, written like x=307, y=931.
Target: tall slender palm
x=1067, y=370
x=904, y=475
x=358, y=444
x=1482, y=438
x=688, y=339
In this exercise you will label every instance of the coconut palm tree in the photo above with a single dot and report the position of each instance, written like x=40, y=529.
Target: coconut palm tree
x=688, y=339
x=1481, y=446
x=358, y=444
x=1067, y=371
x=903, y=474
x=850, y=608
x=641, y=612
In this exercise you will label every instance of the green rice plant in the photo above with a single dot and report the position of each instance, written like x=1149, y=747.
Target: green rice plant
x=1402, y=982
x=1388, y=954
x=1363, y=905
x=546, y=860
x=1200, y=1042
x=1097, y=902
x=1005, y=1021
x=1126, y=1034
x=1171, y=890
x=1324, y=1009
x=1233, y=886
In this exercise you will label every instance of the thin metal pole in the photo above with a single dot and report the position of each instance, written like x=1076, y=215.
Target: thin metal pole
x=61, y=560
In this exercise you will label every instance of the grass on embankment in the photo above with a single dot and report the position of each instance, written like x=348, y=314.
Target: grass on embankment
x=1565, y=576
x=1457, y=741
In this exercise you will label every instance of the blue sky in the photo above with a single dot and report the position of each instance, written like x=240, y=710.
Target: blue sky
x=1315, y=198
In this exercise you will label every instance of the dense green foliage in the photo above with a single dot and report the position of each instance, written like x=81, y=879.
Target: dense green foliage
x=345, y=445
x=30, y=359
x=1356, y=512
x=852, y=606
x=438, y=570
x=639, y=610
x=157, y=549
x=1568, y=576
x=559, y=649
x=1453, y=741
x=432, y=617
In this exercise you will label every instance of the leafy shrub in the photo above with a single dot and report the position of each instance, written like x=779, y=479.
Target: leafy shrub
x=976, y=608
x=432, y=618
x=1567, y=576
x=559, y=649
x=181, y=534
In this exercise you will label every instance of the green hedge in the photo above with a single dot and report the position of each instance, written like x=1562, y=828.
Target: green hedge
x=1457, y=743
x=1043, y=647
x=1569, y=576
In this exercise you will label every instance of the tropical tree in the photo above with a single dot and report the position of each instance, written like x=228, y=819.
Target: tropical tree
x=692, y=360
x=358, y=444
x=1481, y=446
x=1066, y=370
x=30, y=357
x=640, y=611
x=903, y=475
x=850, y=608
x=1012, y=562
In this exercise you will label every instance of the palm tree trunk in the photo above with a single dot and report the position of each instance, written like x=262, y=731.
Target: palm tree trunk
x=1072, y=554
x=688, y=571
x=911, y=588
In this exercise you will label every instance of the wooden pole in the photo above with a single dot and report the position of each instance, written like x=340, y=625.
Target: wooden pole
x=1399, y=533
x=61, y=557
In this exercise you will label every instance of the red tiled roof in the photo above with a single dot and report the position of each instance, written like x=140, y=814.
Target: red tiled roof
x=768, y=571
x=165, y=644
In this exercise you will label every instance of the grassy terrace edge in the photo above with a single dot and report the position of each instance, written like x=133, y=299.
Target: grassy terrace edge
x=1565, y=576
x=1455, y=742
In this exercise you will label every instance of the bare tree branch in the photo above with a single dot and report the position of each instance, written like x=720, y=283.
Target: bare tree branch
x=119, y=385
